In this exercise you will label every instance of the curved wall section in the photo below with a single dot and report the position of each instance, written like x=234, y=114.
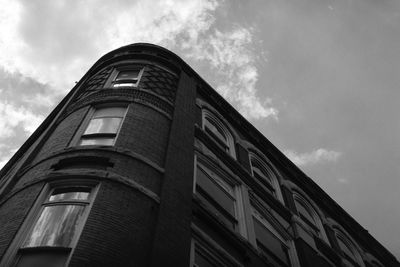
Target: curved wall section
x=125, y=175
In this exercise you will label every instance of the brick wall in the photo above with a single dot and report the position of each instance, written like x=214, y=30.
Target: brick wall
x=118, y=231
x=13, y=212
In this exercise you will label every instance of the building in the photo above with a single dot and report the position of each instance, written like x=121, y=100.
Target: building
x=144, y=164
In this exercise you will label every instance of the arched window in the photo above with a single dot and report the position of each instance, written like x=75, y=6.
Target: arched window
x=263, y=173
x=219, y=132
x=349, y=250
x=309, y=216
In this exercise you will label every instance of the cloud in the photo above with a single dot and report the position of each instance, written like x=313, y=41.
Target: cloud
x=55, y=42
x=6, y=153
x=313, y=157
x=230, y=54
x=12, y=116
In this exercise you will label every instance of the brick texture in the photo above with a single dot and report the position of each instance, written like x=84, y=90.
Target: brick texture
x=118, y=231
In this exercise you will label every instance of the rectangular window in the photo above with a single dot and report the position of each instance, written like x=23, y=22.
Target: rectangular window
x=204, y=254
x=268, y=242
x=103, y=126
x=125, y=77
x=217, y=195
x=56, y=229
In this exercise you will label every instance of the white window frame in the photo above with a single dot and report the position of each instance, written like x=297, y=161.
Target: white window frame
x=347, y=240
x=307, y=204
x=10, y=257
x=271, y=173
x=89, y=116
x=114, y=74
x=222, y=179
x=212, y=118
x=270, y=223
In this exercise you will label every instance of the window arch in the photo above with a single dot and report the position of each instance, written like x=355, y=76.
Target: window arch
x=261, y=171
x=219, y=132
x=348, y=248
x=309, y=215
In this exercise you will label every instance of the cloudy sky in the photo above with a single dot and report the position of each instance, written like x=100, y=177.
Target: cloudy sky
x=319, y=78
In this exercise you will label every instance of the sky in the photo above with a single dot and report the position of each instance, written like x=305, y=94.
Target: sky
x=319, y=78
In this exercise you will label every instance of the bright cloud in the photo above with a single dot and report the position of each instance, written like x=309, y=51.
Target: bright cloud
x=42, y=42
x=313, y=157
x=48, y=45
x=12, y=116
x=230, y=54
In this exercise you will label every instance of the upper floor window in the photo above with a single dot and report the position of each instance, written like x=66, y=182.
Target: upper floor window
x=206, y=255
x=103, y=127
x=273, y=246
x=348, y=249
x=263, y=173
x=219, y=196
x=309, y=216
x=56, y=227
x=125, y=77
x=218, y=132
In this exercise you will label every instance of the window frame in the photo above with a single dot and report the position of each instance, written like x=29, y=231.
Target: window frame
x=272, y=174
x=111, y=81
x=237, y=191
x=350, y=244
x=272, y=225
x=316, y=229
x=229, y=145
x=11, y=256
x=75, y=142
x=207, y=246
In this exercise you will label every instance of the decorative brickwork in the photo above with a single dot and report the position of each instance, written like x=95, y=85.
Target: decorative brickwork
x=96, y=82
x=129, y=95
x=160, y=82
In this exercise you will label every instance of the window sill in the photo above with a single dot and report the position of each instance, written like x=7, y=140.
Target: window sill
x=45, y=248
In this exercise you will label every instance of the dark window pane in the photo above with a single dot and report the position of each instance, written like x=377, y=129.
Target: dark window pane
x=127, y=75
x=229, y=221
x=259, y=174
x=305, y=213
x=42, y=259
x=56, y=226
x=216, y=192
x=202, y=261
x=215, y=130
x=346, y=250
x=70, y=193
x=269, y=243
x=100, y=141
x=103, y=125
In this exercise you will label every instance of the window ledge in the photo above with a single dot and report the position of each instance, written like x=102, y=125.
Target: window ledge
x=45, y=248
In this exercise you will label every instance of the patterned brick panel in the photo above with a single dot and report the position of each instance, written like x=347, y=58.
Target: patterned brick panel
x=96, y=82
x=110, y=95
x=160, y=82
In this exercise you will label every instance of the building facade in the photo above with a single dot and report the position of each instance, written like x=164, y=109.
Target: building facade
x=144, y=164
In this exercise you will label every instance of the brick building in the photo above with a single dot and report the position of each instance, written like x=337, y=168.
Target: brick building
x=144, y=164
